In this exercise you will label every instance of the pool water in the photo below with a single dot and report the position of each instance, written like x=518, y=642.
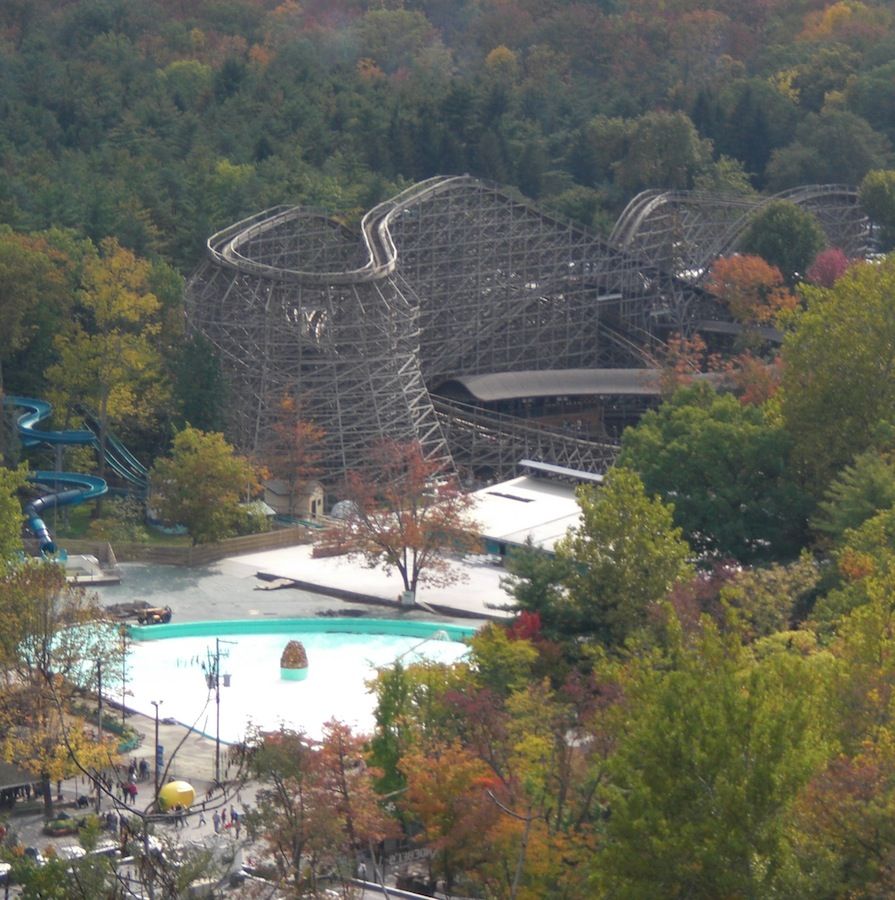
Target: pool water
x=340, y=665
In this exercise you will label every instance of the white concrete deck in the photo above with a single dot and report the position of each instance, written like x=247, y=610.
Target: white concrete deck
x=476, y=593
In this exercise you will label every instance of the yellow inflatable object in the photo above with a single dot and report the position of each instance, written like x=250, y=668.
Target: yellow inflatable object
x=176, y=793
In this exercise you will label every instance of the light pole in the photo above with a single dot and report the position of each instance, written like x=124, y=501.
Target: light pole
x=156, y=704
x=99, y=723
x=213, y=676
x=123, y=633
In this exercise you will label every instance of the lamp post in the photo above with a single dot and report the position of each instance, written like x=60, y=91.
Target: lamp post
x=99, y=724
x=156, y=704
x=123, y=632
x=213, y=676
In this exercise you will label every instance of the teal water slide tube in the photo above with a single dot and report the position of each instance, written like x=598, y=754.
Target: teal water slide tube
x=85, y=487
x=76, y=488
x=118, y=458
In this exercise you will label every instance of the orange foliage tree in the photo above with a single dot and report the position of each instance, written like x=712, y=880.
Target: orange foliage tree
x=293, y=450
x=404, y=514
x=447, y=793
x=753, y=290
x=753, y=379
x=315, y=806
x=681, y=360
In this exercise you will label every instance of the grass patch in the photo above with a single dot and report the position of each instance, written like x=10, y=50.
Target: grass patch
x=70, y=521
x=159, y=538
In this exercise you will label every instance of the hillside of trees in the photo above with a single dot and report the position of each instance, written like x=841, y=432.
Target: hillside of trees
x=157, y=121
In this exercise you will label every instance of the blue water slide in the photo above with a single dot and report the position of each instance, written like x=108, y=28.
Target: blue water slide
x=118, y=458
x=75, y=487
x=85, y=487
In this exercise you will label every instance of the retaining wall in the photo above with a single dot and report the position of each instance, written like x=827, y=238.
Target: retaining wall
x=200, y=555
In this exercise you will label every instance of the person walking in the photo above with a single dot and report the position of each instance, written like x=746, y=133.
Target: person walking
x=202, y=820
x=216, y=819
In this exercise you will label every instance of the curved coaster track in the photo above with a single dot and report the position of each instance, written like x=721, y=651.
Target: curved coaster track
x=686, y=231
x=451, y=279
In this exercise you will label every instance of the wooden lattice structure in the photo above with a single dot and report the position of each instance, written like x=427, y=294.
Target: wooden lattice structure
x=685, y=231
x=451, y=279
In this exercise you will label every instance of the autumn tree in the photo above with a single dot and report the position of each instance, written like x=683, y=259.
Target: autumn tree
x=753, y=380
x=828, y=267
x=202, y=484
x=844, y=836
x=864, y=568
x=412, y=708
x=752, y=290
x=842, y=822
x=293, y=449
x=404, y=514
x=53, y=637
x=108, y=357
x=315, y=806
x=683, y=360
x=446, y=794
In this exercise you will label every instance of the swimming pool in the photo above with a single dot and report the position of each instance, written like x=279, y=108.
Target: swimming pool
x=170, y=663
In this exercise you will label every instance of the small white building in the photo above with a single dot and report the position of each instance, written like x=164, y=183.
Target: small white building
x=307, y=502
x=539, y=506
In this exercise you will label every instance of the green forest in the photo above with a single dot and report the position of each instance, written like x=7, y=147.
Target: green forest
x=152, y=124
x=694, y=698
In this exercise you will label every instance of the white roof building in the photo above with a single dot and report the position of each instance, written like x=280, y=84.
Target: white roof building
x=511, y=512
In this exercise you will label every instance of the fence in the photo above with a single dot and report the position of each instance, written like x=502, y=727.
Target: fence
x=200, y=555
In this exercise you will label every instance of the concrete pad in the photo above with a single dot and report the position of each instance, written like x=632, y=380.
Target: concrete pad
x=476, y=590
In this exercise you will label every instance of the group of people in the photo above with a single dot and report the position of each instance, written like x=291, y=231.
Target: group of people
x=128, y=792
x=8, y=796
x=222, y=823
x=141, y=770
x=114, y=821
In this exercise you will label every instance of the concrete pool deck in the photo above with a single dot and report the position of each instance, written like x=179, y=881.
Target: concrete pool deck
x=476, y=593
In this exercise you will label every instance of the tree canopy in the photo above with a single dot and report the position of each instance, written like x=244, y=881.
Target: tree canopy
x=202, y=484
x=837, y=395
x=403, y=514
x=622, y=559
x=727, y=469
x=52, y=637
x=10, y=514
x=785, y=236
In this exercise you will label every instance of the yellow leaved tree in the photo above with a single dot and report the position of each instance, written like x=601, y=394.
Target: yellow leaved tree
x=53, y=635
